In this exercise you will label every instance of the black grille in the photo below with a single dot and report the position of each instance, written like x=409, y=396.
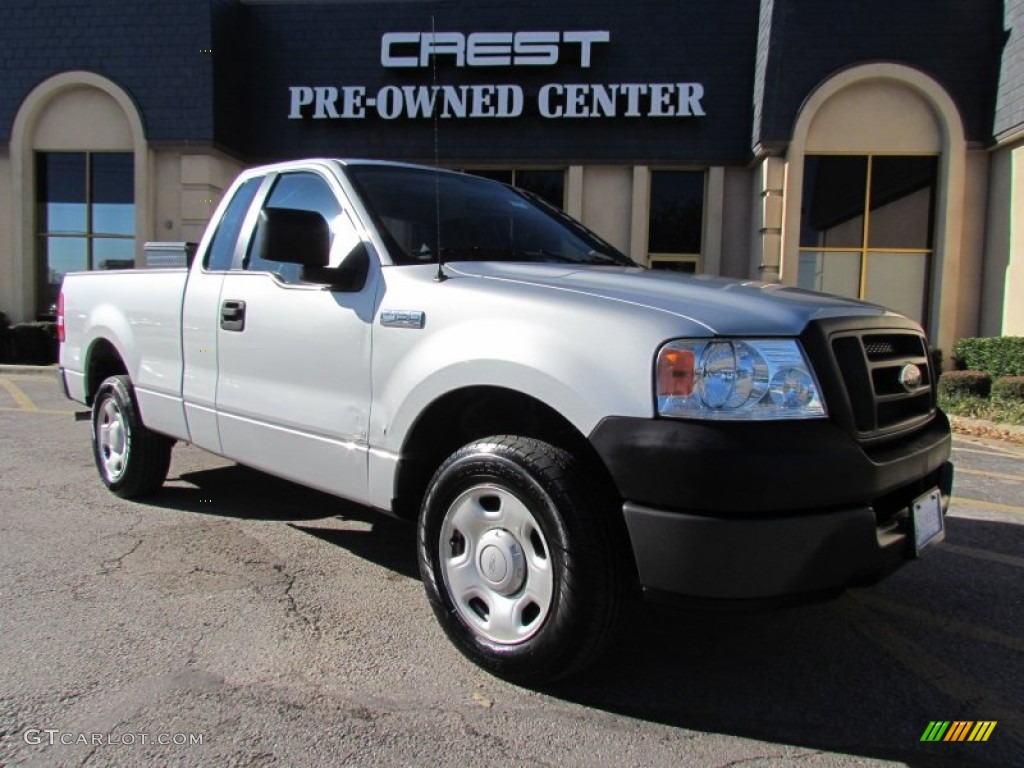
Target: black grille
x=879, y=370
x=878, y=348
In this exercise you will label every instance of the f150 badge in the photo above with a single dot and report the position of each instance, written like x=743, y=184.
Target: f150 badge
x=402, y=318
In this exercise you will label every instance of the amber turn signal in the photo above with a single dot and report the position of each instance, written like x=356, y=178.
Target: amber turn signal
x=675, y=372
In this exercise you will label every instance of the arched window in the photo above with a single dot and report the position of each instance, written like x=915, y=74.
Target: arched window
x=79, y=158
x=875, y=194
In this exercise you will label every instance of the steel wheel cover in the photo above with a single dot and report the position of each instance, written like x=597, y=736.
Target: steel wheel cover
x=112, y=439
x=496, y=564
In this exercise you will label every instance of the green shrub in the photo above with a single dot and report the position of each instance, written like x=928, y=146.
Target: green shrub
x=1008, y=389
x=32, y=343
x=996, y=355
x=954, y=384
x=969, y=406
x=991, y=409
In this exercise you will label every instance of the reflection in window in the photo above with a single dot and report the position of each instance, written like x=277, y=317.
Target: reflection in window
x=85, y=216
x=834, y=194
x=676, y=220
x=113, y=193
x=866, y=228
x=302, y=191
x=547, y=184
x=221, y=253
x=897, y=280
x=835, y=272
x=668, y=264
x=423, y=215
x=902, y=202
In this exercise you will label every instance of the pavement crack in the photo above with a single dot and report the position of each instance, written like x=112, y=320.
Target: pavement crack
x=89, y=755
x=193, y=654
x=113, y=564
x=759, y=758
x=505, y=752
x=291, y=604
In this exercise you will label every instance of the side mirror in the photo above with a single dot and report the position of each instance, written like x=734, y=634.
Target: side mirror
x=349, y=276
x=294, y=237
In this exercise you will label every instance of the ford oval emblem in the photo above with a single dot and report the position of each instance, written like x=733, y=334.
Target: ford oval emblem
x=911, y=377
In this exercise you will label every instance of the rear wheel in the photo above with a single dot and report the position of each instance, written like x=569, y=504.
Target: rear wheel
x=132, y=460
x=519, y=559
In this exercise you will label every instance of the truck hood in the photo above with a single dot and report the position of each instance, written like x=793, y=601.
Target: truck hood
x=721, y=306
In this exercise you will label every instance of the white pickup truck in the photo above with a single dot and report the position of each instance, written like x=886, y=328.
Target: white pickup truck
x=567, y=429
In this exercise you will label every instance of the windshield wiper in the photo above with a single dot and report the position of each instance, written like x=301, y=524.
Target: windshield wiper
x=484, y=253
x=605, y=258
x=475, y=253
x=542, y=255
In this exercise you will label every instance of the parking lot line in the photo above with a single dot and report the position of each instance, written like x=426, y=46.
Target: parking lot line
x=926, y=666
x=991, y=505
x=945, y=623
x=985, y=449
x=984, y=554
x=47, y=411
x=995, y=475
x=23, y=401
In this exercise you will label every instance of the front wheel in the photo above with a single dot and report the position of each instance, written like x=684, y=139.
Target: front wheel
x=132, y=460
x=520, y=560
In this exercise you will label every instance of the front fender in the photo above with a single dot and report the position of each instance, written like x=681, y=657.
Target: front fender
x=583, y=382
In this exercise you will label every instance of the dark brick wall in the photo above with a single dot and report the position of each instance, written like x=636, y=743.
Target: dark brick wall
x=1010, y=95
x=758, y=61
x=663, y=41
x=764, y=30
x=957, y=42
x=229, y=74
x=152, y=49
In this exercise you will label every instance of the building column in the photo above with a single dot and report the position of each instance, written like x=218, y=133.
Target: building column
x=766, y=244
x=640, y=214
x=204, y=178
x=714, y=216
x=574, y=192
x=1013, y=307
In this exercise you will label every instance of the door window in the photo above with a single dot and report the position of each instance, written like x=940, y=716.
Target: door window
x=303, y=191
x=222, y=248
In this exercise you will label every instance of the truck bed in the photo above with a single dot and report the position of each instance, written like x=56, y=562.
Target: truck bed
x=140, y=312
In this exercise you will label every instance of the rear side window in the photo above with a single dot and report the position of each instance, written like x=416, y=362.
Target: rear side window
x=222, y=249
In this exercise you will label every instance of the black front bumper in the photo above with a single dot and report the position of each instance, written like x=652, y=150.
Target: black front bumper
x=768, y=509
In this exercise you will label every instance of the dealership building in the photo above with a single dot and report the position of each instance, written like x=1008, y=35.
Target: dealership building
x=871, y=149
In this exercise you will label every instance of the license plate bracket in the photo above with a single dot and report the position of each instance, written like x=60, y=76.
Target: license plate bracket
x=928, y=521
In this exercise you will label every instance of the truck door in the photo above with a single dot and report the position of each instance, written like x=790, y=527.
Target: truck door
x=293, y=388
x=199, y=312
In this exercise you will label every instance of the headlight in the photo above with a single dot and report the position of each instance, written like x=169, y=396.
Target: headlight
x=748, y=379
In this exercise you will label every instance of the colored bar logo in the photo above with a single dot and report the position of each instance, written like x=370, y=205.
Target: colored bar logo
x=958, y=730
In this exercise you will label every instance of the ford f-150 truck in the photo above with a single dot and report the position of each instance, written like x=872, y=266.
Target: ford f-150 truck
x=567, y=429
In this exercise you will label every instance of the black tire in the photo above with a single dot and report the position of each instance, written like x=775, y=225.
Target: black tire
x=132, y=460
x=527, y=629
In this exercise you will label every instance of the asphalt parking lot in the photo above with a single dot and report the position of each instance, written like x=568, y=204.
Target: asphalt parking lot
x=240, y=620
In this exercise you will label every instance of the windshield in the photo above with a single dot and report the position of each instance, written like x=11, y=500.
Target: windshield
x=420, y=211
